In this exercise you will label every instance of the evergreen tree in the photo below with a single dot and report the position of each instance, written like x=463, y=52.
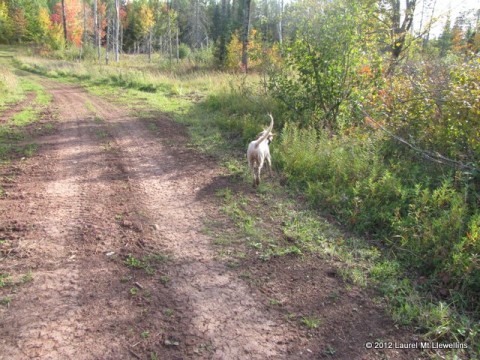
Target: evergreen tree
x=444, y=42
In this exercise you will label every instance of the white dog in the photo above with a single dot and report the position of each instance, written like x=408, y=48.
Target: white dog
x=258, y=152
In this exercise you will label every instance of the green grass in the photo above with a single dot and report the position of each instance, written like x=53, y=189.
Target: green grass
x=6, y=300
x=165, y=279
x=27, y=278
x=133, y=262
x=102, y=134
x=168, y=312
x=96, y=117
x=147, y=263
x=152, y=127
x=14, y=89
x=133, y=291
x=275, y=302
x=42, y=98
x=311, y=322
x=11, y=89
x=5, y=280
x=24, y=117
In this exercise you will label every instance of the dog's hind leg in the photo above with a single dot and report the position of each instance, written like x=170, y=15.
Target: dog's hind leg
x=254, y=172
x=269, y=164
x=259, y=170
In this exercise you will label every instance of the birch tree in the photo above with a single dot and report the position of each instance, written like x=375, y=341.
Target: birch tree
x=117, y=30
x=96, y=28
x=245, y=33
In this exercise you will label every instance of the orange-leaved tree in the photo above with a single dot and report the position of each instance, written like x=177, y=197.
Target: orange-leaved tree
x=73, y=17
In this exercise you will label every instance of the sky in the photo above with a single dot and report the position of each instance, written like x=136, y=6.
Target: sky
x=442, y=9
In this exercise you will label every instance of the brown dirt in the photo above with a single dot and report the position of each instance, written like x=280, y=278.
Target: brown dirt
x=107, y=187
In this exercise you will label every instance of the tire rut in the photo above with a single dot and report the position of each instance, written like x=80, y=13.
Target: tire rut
x=72, y=233
x=217, y=308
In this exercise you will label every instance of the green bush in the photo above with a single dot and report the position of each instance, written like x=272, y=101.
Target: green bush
x=345, y=174
x=241, y=118
x=183, y=51
x=431, y=226
x=203, y=56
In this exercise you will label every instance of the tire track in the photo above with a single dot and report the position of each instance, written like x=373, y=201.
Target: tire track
x=45, y=322
x=217, y=308
x=73, y=229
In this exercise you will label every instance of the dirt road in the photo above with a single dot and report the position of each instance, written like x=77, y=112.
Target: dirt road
x=103, y=234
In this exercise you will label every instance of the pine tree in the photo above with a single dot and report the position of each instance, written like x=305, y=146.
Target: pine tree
x=445, y=39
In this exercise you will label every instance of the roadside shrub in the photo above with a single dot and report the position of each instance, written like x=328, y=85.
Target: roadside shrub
x=89, y=52
x=433, y=105
x=242, y=118
x=343, y=174
x=183, y=51
x=431, y=226
x=464, y=266
x=203, y=56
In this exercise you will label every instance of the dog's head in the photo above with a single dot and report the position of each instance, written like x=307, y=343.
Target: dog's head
x=269, y=137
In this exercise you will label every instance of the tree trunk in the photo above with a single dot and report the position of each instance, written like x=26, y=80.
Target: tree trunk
x=150, y=46
x=117, y=30
x=223, y=32
x=96, y=28
x=401, y=28
x=177, y=47
x=170, y=50
x=108, y=41
x=121, y=38
x=280, y=25
x=84, y=34
x=246, y=31
x=430, y=22
x=64, y=21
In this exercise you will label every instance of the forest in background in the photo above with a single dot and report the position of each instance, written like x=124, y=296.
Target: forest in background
x=224, y=29
x=379, y=124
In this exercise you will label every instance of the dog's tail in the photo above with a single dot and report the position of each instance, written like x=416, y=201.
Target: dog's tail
x=266, y=132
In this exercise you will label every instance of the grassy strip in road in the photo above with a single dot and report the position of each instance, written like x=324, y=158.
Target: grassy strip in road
x=14, y=129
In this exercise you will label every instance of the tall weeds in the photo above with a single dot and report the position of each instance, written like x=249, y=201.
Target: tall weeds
x=9, y=86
